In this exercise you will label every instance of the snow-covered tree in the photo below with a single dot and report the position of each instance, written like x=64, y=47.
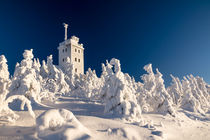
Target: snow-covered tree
x=153, y=95
x=69, y=75
x=53, y=78
x=88, y=85
x=118, y=92
x=5, y=112
x=25, y=80
x=44, y=70
x=191, y=94
x=195, y=96
x=176, y=91
x=92, y=84
x=4, y=73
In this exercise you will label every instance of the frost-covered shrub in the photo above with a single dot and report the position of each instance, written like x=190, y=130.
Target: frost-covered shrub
x=153, y=96
x=60, y=124
x=118, y=93
x=190, y=94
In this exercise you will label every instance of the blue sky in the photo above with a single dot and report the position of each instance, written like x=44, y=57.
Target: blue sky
x=172, y=35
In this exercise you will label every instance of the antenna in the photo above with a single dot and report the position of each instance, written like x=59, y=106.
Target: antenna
x=65, y=26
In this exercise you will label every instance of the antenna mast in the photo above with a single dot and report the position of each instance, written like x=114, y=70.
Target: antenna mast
x=65, y=26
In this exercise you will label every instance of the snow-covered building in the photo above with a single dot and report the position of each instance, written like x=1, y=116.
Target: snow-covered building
x=74, y=50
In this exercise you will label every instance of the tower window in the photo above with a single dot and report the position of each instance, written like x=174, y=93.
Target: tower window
x=75, y=59
x=66, y=49
x=76, y=70
x=78, y=60
x=78, y=51
x=75, y=50
x=63, y=50
x=63, y=59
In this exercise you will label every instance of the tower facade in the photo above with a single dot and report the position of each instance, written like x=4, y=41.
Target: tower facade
x=74, y=50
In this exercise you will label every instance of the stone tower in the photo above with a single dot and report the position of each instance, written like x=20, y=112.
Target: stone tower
x=74, y=50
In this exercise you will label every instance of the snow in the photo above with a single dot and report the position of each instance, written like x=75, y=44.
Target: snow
x=64, y=105
x=60, y=124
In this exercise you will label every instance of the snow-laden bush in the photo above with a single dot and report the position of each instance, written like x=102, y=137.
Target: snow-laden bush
x=53, y=78
x=190, y=94
x=5, y=112
x=60, y=124
x=153, y=96
x=118, y=93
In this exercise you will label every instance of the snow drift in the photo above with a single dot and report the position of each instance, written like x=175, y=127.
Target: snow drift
x=58, y=124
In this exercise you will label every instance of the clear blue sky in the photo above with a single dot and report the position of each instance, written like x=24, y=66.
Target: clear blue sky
x=172, y=35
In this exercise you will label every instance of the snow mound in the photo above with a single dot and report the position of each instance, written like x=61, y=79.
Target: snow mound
x=60, y=124
x=124, y=133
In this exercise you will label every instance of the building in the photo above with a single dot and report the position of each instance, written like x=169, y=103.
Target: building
x=74, y=50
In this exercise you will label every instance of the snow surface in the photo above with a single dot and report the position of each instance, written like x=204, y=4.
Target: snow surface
x=64, y=105
x=99, y=126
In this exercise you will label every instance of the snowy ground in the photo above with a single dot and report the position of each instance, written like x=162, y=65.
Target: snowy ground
x=186, y=126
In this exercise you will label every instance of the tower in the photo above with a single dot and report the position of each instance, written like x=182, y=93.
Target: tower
x=74, y=50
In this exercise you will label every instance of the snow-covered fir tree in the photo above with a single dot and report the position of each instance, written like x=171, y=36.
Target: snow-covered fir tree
x=25, y=80
x=191, y=94
x=153, y=95
x=118, y=93
x=53, y=78
x=4, y=73
x=6, y=114
x=69, y=75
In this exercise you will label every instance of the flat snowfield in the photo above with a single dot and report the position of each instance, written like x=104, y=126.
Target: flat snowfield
x=97, y=125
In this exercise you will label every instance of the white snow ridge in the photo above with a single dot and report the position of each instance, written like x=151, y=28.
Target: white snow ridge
x=65, y=105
